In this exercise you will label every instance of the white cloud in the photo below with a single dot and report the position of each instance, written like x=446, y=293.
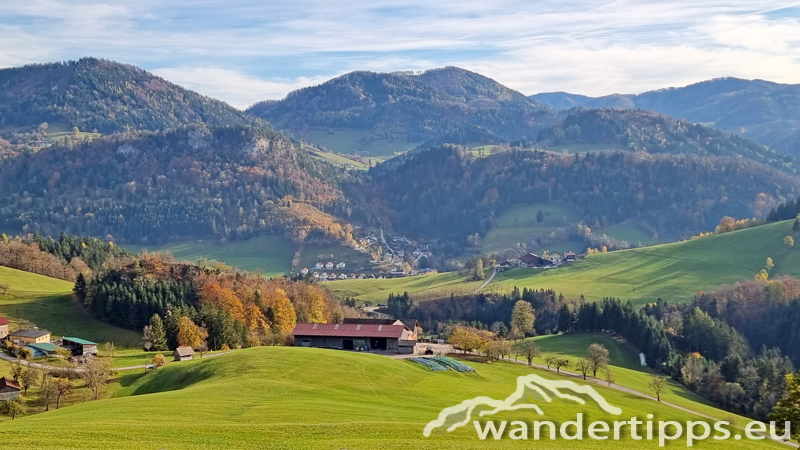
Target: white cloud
x=237, y=89
x=246, y=50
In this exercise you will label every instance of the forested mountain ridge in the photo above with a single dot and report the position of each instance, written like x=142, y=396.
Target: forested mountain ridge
x=641, y=130
x=766, y=112
x=422, y=107
x=106, y=96
x=151, y=187
x=450, y=194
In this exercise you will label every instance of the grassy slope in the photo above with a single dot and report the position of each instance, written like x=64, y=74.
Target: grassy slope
x=272, y=254
x=675, y=272
x=625, y=367
x=47, y=303
x=377, y=291
x=289, y=398
x=518, y=224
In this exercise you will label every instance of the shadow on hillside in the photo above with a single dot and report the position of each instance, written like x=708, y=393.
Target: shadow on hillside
x=174, y=377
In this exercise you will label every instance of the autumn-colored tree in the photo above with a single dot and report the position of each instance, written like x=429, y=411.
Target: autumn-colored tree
x=726, y=224
x=190, y=334
x=13, y=407
x=96, y=375
x=29, y=377
x=159, y=360
x=283, y=316
x=318, y=308
x=523, y=317
x=530, y=349
x=597, y=357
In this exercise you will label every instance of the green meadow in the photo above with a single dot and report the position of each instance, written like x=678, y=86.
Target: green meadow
x=519, y=224
x=48, y=303
x=674, y=272
x=271, y=254
x=346, y=141
x=303, y=398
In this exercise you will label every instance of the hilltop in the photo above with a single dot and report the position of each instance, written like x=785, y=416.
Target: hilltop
x=763, y=111
x=408, y=107
x=639, y=130
x=105, y=96
x=308, y=398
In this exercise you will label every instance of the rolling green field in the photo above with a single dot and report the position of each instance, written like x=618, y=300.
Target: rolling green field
x=625, y=367
x=346, y=141
x=627, y=231
x=674, y=272
x=271, y=254
x=302, y=398
x=48, y=303
x=519, y=224
x=58, y=131
x=434, y=285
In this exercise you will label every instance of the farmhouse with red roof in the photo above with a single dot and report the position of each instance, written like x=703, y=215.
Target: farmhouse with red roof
x=355, y=336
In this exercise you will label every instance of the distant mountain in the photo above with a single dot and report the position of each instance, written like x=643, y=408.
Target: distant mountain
x=766, y=112
x=416, y=107
x=642, y=130
x=102, y=95
x=150, y=187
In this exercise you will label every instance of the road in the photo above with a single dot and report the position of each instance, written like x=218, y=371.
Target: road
x=494, y=272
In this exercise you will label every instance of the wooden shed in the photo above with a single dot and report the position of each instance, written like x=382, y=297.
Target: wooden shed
x=78, y=346
x=183, y=353
x=9, y=389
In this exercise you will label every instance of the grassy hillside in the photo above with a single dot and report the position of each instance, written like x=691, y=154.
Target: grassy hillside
x=436, y=285
x=291, y=398
x=269, y=253
x=48, y=303
x=625, y=367
x=674, y=272
x=519, y=224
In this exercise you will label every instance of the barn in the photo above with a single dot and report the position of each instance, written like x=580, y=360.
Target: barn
x=9, y=389
x=78, y=346
x=355, y=336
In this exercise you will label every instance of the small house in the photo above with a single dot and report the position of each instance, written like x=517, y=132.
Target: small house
x=78, y=346
x=30, y=336
x=4, y=323
x=318, y=266
x=315, y=274
x=183, y=353
x=329, y=266
x=9, y=389
x=341, y=265
x=304, y=272
x=323, y=276
x=570, y=256
x=531, y=260
x=342, y=276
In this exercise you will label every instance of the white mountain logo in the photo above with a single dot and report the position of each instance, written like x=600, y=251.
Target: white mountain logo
x=461, y=414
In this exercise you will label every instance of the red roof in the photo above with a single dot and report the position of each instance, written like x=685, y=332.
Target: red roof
x=8, y=382
x=348, y=330
x=4, y=321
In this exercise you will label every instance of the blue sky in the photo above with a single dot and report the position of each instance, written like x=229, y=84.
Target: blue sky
x=246, y=51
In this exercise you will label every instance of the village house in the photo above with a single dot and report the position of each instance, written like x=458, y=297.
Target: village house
x=318, y=266
x=315, y=274
x=78, y=346
x=361, y=337
x=4, y=323
x=329, y=266
x=9, y=389
x=411, y=324
x=569, y=256
x=30, y=336
x=304, y=272
x=183, y=353
x=342, y=276
x=341, y=265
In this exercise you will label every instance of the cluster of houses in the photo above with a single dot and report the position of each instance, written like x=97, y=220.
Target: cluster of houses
x=325, y=276
x=387, y=335
x=40, y=342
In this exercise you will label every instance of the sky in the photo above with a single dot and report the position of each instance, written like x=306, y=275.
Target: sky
x=244, y=51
